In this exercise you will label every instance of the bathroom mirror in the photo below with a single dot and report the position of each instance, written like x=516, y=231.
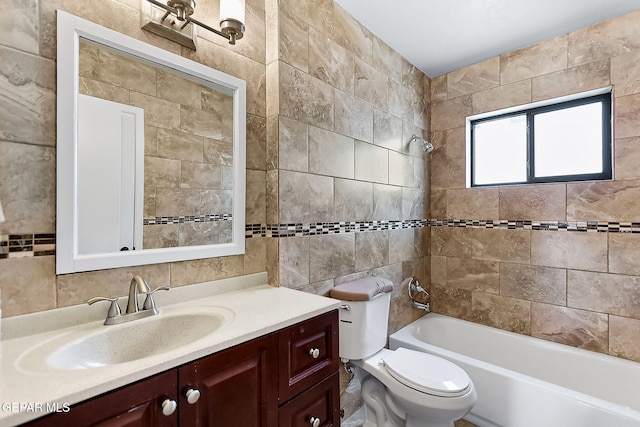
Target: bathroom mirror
x=150, y=153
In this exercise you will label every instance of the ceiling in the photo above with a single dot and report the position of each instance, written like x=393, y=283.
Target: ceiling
x=439, y=36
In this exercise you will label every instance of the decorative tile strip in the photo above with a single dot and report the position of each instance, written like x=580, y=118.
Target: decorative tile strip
x=27, y=245
x=42, y=244
x=313, y=229
x=162, y=220
x=322, y=228
x=4, y=246
x=579, y=226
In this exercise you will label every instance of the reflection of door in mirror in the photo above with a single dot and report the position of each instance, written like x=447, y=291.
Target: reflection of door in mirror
x=188, y=151
x=111, y=147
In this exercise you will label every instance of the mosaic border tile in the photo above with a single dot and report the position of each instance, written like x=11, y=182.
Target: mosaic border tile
x=27, y=245
x=320, y=228
x=182, y=219
x=579, y=226
x=42, y=244
x=311, y=229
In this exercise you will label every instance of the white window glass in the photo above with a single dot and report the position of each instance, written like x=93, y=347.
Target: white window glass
x=500, y=151
x=568, y=141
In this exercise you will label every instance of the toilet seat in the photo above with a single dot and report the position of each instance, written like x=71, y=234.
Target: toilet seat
x=427, y=373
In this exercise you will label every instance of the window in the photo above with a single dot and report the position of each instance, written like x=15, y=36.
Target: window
x=555, y=142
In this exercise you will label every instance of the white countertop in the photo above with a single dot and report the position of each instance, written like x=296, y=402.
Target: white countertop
x=258, y=310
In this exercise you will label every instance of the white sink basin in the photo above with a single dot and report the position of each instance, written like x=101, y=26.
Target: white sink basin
x=92, y=345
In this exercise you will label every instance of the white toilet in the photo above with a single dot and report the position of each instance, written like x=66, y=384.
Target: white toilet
x=400, y=387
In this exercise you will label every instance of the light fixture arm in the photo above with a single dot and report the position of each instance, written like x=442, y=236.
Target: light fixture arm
x=194, y=21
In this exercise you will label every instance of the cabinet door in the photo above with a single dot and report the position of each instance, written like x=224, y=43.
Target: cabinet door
x=321, y=402
x=137, y=405
x=308, y=354
x=238, y=387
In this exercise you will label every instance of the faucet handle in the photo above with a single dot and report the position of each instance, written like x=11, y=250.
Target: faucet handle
x=114, y=309
x=149, y=303
x=160, y=288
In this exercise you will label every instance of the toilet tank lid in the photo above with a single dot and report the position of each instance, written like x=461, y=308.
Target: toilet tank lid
x=362, y=289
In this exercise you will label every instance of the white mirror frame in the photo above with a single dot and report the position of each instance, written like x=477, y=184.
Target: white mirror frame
x=70, y=29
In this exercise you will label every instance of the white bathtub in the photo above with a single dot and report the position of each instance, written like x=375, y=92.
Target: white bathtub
x=528, y=382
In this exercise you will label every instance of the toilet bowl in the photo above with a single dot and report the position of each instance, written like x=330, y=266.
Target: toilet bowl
x=423, y=390
x=400, y=387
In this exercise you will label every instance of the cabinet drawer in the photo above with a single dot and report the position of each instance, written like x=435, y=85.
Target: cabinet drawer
x=321, y=401
x=308, y=353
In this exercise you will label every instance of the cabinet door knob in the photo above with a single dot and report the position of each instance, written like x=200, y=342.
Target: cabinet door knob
x=314, y=352
x=192, y=395
x=315, y=422
x=169, y=407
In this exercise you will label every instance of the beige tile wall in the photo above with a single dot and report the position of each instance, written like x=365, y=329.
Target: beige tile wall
x=27, y=148
x=330, y=111
x=331, y=108
x=581, y=289
x=341, y=107
x=341, y=114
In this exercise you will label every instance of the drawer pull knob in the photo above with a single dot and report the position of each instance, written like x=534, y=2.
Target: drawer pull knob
x=315, y=422
x=314, y=352
x=169, y=407
x=192, y=395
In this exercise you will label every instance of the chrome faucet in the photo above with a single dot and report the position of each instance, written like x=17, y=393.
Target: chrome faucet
x=137, y=286
x=414, y=287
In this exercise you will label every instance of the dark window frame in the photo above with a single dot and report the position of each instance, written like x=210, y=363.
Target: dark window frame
x=530, y=113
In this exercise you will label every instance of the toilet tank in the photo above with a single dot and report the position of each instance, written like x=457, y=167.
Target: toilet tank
x=363, y=324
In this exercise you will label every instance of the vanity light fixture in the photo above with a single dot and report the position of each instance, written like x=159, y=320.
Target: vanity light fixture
x=232, y=15
x=232, y=19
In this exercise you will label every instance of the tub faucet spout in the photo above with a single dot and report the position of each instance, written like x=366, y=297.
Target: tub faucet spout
x=421, y=306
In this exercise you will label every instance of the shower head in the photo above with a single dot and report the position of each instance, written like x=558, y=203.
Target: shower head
x=426, y=145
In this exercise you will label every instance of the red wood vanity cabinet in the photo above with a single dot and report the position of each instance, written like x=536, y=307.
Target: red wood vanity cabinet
x=288, y=378
x=309, y=387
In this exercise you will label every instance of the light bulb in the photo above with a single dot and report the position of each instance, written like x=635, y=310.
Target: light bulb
x=232, y=9
x=232, y=19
